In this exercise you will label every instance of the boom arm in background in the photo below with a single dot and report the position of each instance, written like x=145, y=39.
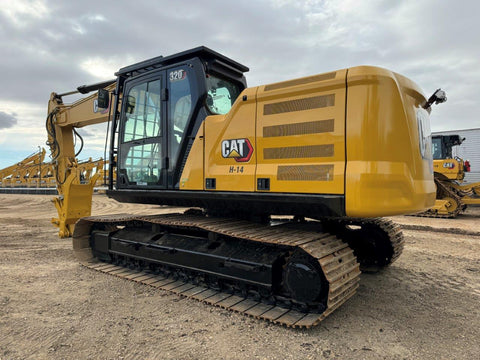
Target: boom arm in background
x=31, y=160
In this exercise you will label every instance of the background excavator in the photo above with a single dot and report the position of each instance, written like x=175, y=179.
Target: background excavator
x=286, y=182
x=33, y=172
x=14, y=175
x=449, y=172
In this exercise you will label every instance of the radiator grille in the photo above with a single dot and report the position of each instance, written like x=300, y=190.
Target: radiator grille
x=305, y=173
x=295, y=152
x=311, y=127
x=315, y=102
x=303, y=81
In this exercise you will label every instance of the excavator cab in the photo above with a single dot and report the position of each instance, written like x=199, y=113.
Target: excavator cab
x=166, y=101
x=442, y=146
x=447, y=166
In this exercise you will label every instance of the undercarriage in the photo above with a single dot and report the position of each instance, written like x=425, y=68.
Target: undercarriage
x=288, y=271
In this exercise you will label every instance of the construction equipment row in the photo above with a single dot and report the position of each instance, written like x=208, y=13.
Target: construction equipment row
x=33, y=172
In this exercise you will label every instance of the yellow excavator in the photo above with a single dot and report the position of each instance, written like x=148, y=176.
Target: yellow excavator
x=449, y=172
x=286, y=182
x=13, y=175
x=32, y=172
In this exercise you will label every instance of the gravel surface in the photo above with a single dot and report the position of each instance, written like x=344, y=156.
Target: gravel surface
x=425, y=306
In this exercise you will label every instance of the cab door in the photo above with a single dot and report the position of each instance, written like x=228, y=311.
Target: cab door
x=181, y=101
x=142, y=156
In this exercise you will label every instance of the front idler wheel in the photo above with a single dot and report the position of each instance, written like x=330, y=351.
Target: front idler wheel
x=303, y=280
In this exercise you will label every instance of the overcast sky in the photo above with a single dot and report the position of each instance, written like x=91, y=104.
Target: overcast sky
x=58, y=45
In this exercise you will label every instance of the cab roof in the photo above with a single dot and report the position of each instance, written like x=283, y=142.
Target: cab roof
x=205, y=54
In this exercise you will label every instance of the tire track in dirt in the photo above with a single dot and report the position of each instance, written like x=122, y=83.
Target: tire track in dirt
x=183, y=348
x=38, y=340
x=107, y=208
x=33, y=206
x=444, y=282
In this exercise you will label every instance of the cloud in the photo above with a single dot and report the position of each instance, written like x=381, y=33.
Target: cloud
x=55, y=46
x=93, y=131
x=22, y=12
x=7, y=120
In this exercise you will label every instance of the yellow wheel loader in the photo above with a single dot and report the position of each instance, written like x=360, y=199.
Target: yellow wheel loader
x=286, y=182
x=449, y=172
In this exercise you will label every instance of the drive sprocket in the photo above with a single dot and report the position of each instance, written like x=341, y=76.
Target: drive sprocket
x=376, y=242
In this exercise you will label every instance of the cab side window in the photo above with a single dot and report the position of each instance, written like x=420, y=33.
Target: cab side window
x=437, y=148
x=221, y=95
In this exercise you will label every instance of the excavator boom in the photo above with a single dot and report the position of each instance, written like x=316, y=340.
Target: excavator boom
x=74, y=199
x=10, y=175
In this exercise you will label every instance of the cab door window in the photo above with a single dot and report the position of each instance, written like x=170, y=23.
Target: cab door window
x=142, y=111
x=141, y=148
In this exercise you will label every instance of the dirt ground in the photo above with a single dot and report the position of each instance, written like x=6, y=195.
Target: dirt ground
x=425, y=306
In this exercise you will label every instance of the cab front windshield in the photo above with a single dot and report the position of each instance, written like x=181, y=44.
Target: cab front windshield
x=221, y=94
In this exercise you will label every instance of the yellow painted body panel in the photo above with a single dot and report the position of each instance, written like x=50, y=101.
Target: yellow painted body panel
x=239, y=123
x=301, y=142
x=450, y=168
x=351, y=132
x=386, y=173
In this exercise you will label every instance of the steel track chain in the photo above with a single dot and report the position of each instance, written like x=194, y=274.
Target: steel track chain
x=392, y=231
x=334, y=256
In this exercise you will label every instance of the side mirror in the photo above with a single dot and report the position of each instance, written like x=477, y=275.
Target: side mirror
x=103, y=98
x=438, y=97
